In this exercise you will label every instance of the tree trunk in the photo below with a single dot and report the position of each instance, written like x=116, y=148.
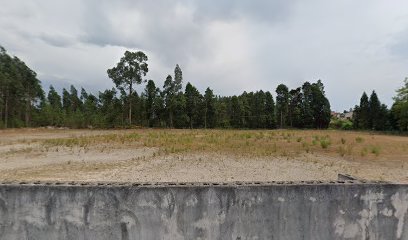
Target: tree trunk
x=130, y=104
x=171, y=118
x=1, y=109
x=6, y=111
x=27, y=112
x=281, y=121
x=205, y=117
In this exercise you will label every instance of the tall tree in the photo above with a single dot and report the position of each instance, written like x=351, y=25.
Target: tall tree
x=210, y=111
x=363, y=112
x=151, y=93
x=169, y=98
x=307, y=111
x=236, y=110
x=193, y=104
x=374, y=107
x=178, y=79
x=31, y=91
x=90, y=110
x=54, y=100
x=66, y=101
x=295, y=108
x=270, y=111
x=130, y=70
x=110, y=108
x=282, y=103
x=321, y=106
x=400, y=107
x=76, y=103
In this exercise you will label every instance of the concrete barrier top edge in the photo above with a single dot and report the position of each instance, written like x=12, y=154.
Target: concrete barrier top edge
x=195, y=184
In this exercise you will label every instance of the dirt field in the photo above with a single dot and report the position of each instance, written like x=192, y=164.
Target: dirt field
x=199, y=155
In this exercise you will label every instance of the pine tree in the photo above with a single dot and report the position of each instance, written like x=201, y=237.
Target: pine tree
x=364, y=112
x=282, y=104
x=209, y=112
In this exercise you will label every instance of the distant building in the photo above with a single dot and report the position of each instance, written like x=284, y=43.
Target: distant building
x=346, y=115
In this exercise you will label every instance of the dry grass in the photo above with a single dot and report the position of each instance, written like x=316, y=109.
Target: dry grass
x=251, y=143
x=199, y=155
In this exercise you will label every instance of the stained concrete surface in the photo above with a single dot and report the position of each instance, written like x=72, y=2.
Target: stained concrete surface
x=274, y=210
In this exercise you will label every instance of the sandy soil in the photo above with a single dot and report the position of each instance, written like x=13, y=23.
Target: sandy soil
x=23, y=156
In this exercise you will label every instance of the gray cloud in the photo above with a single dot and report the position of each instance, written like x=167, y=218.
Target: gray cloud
x=266, y=11
x=56, y=40
x=231, y=45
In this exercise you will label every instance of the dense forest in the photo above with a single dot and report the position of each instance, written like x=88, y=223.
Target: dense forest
x=23, y=103
x=370, y=114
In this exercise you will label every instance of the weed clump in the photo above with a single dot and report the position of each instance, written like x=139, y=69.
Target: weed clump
x=375, y=150
x=342, y=151
x=364, y=152
x=325, y=142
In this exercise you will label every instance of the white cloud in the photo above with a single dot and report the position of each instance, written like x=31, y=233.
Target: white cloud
x=230, y=46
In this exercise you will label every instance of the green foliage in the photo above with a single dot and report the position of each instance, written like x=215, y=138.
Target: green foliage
x=375, y=150
x=371, y=114
x=325, y=142
x=20, y=92
x=22, y=102
x=194, y=105
x=209, y=109
x=341, y=124
x=282, y=104
x=359, y=139
x=399, y=109
x=129, y=71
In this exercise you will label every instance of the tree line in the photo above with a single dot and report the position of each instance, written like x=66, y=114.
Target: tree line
x=23, y=102
x=371, y=114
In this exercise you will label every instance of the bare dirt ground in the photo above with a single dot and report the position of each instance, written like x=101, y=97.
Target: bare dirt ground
x=145, y=155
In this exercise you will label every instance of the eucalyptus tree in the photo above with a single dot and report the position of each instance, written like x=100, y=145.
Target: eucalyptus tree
x=169, y=98
x=178, y=79
x=152, y=94
x=129, y=71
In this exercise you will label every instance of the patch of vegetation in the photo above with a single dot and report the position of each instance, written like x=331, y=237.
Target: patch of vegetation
x=246, y=143
x=342, y=151
x=325, y=142
x=364, y=152
x=375, y=150
x=359, y=140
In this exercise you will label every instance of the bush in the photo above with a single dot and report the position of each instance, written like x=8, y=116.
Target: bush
x=375, y=150
x=359, y=139
x=347, y=125
x=325, y=143
x=341, y=124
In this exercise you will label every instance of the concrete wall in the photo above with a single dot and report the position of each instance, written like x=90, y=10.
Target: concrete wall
x=321, y=211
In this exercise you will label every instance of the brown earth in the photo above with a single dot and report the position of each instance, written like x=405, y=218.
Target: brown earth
x=199, y=155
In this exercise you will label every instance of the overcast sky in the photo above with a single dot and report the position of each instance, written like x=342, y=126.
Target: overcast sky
x=231, y=45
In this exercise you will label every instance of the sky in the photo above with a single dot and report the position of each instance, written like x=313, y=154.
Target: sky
x=230, y=46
